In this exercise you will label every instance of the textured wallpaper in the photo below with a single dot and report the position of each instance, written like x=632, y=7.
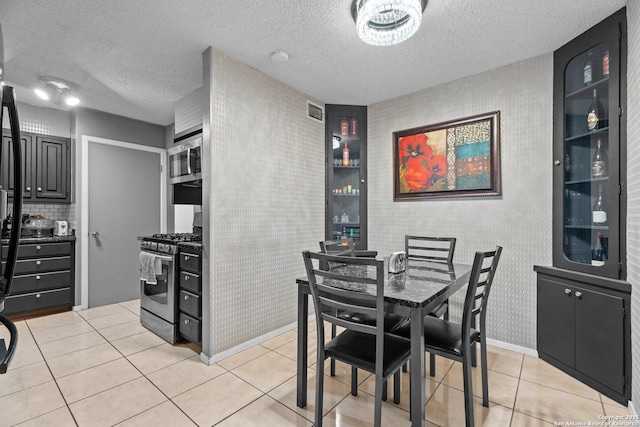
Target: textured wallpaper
x=266, y=200
x=633, y=187
x=520, y=220
x=46, y=121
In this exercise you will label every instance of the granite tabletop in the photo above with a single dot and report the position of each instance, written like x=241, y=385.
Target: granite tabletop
x=417, y=286
x=47, y=239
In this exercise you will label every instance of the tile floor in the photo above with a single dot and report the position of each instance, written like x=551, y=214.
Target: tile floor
x=99, y=367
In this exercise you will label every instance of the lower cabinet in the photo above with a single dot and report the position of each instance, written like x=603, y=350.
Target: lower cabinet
x=189, y=299
x=43, y=277
x=584, y=329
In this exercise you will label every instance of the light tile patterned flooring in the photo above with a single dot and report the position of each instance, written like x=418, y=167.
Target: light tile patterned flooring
x=99, y=367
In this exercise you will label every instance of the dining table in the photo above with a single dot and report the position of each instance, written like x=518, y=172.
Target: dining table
x=413, y=293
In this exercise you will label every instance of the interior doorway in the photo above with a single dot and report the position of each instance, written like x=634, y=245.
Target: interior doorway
x=123, y=196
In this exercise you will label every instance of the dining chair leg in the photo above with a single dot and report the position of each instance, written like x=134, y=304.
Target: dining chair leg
x=384, y=390
x=333, y=335
x=485, y=378
x=432, y=364
x=396, y=387
x=319, y=388
x=468, y=390
x=474, y=354
x=380, y=386
x=354, y=381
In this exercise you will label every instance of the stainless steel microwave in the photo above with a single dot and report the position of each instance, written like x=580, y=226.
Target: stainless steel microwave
x=185, y=160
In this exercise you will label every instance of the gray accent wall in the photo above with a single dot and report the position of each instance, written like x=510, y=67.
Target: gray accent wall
x=520, y=220
x=633, y=189
x=264, y=200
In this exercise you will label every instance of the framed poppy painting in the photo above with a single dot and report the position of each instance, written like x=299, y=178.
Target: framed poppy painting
x=460, y=158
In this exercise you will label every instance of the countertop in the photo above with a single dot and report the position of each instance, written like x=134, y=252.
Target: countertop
x=48, y=239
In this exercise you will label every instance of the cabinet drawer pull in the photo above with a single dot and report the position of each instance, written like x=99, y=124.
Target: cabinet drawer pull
x=186, y=297
x=37, y=277
x=38, y=295
x=186, y=258
x=38, y=262
x=38, y=247
x=186, y=278
x=186, y=321
x=567, y=291
x=578, y=294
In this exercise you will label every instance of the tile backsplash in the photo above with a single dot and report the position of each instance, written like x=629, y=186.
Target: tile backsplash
x=56, y=212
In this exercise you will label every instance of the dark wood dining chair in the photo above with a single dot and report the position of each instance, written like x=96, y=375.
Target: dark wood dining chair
x=360, y=345
x=346, y=247
x=431, y=249
x=456, y=341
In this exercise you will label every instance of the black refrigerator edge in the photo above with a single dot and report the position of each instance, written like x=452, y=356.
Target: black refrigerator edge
x=8, y=102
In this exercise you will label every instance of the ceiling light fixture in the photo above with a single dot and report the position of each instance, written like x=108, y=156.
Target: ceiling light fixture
x=387, y=22
x=57, y=91
x=279, y=56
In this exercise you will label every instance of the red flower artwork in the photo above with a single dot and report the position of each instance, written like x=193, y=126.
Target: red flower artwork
x=418, y=166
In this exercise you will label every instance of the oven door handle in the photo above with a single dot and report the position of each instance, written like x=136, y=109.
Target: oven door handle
x=162, y=257
x=189, y=161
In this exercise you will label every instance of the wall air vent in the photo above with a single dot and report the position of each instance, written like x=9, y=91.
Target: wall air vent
x=315, y=112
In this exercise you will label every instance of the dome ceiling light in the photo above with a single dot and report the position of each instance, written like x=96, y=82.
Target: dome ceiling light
x=387, y=22
x=57, y=91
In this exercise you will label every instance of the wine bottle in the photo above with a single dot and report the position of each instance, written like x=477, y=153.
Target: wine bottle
x=344, y=127
x=598, y=257
x=605, y=63
x=598, y=164
x=596, y=113
x=345, y=155
x=598, y=211
x=354, y=127
x=588, y=69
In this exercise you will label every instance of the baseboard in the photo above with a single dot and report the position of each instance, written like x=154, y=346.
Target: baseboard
x=77, y=308
x=632, y=410
x=512, y=347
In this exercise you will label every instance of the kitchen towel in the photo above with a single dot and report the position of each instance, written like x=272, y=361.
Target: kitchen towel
x=150, y=267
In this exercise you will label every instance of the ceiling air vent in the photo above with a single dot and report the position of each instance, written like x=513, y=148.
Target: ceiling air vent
x=315, y=112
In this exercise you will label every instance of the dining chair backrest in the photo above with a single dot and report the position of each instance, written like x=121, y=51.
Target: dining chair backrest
x=357, y=286
x=339, y=247
x=433, y=249
x=480, y=280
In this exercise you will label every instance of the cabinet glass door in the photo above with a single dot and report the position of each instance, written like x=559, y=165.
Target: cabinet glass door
x=587, y=187
x=346, y=173
x=346, y=178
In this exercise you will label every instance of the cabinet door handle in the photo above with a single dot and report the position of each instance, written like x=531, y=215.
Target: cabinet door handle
x=37, y=277
x=40, y=189
x=567, y=291
x=557, y=162
x=38, y=262
x=38, y=247
x=28, y=188
x=38, y=295
x=578, y=294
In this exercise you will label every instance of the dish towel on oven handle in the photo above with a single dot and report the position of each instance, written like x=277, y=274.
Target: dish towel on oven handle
x=150, y=267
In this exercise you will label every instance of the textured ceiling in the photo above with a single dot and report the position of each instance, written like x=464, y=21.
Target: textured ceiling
x=137, y=58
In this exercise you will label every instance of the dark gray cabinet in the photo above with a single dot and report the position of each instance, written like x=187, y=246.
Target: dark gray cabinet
x=46, y=168
x=346, y=173
x=44, y=277
x=584, y=329
x=189, y=298
x=583, y=301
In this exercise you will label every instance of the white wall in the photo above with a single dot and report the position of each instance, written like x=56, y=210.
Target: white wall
x=520, y=220
x=265, y=204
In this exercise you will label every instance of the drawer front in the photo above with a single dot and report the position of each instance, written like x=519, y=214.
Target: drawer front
x=190, y=328
x=190, y=281
x=190, y=262
x=39, y=282
x=16, y=304
x=31, y=250
x=190, y=303
x=26, y=266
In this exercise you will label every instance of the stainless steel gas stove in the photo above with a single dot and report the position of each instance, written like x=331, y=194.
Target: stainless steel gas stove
x=158, y=301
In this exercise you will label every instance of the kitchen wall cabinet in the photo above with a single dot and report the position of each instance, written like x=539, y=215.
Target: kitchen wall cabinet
x=44, y=276
x=346, y=173
x=190, y=297
x=583, y=300
x=46, y=168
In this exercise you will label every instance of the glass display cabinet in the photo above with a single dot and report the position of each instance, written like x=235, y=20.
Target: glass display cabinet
x=583, y=300
x=346, y=157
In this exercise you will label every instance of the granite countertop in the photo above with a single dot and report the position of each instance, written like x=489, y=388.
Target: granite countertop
x=47, y=239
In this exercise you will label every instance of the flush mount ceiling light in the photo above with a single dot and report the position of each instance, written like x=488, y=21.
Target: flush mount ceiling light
x=57, y=91
x=387, y=22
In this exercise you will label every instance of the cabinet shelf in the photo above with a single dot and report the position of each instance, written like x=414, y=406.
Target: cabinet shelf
x=587, y=134
x=586, y=181
x=602, y=83
x=345, y=167
x=587, y=227
x=347, y=195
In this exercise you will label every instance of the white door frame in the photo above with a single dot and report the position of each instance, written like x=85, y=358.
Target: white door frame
x=83, y=230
